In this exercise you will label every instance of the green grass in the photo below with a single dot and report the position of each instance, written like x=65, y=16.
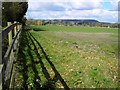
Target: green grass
x=74, y=28
x=83, y=59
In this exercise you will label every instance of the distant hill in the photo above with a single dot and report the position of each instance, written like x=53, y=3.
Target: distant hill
x=80, y=21
x=75, y=20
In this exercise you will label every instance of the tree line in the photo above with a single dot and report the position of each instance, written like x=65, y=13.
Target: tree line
x=14, y=11
x=72, y=23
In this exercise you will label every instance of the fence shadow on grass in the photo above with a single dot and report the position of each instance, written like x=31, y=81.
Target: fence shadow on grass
x=29, y=41
x=24, y=70
x=22, y=62
x=50, y=84
x=57, y=74
x=36, y=75
x=37, y=29
x=23, y=66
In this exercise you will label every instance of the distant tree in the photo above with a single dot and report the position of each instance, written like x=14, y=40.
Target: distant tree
x=13, y=11
x=39, y=22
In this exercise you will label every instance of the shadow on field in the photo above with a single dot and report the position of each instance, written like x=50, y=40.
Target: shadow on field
x=22, y=62
x=51, y=82
x=30, y=42
x=24, y=70
x=36, y=77
x=38, y=29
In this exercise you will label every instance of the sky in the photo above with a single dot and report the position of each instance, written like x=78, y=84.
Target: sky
x=101, y=10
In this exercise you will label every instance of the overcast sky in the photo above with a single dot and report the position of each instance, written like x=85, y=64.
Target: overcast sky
x=101, y=10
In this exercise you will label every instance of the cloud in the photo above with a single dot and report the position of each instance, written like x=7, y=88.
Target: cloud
x=44, y=6
x=64, y=5
x=86, y=5
x=101, y=15
x=78, y=9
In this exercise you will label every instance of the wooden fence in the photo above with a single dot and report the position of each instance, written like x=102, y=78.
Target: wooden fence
x=12, y=33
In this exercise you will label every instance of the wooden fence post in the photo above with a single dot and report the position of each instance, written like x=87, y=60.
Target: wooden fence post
x=1, y=66
x=18, y=35
x=0, y=47
x=15, y=29
x=9, y=35
x=10, y=60
x=15, y=32
x=7, y=71
x=18, y=27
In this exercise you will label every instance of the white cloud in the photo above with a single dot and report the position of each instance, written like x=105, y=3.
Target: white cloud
x=101, y=15
x=80, y=4
x=71, y=0
x=70, y=9
x=114, y=4
x=90, y=4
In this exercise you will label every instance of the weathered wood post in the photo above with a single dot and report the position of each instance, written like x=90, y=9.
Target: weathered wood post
x=1, y=47
x=15, y=46
x=1, y=66
x=15, y=33
x=19, y=27
x=15, y=29
x=9, y=35
x=9, y=42
x=10, y=59
x=6, y=62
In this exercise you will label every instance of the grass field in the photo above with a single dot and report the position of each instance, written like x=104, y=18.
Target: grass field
x=74, y=28
x=68, y=56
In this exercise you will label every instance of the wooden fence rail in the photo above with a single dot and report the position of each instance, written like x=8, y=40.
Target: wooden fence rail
x=12, y=33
